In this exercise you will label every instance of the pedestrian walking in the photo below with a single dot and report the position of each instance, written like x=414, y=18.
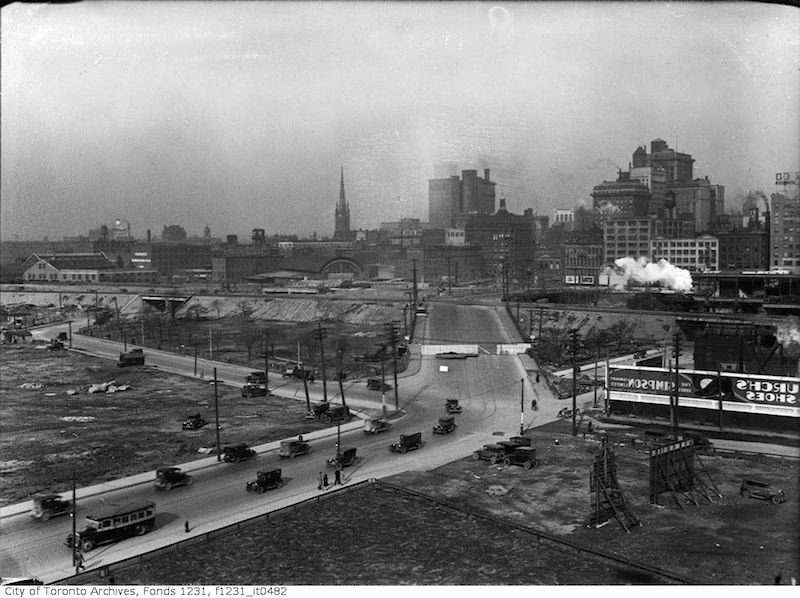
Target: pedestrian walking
x=79, y=566
x=325, y=480
x=300, y=437
x=186, y=526
x=321, y=481
x=537, y=378
x=338, y=478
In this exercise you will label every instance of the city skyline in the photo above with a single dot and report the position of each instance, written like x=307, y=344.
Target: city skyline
x=240, y=115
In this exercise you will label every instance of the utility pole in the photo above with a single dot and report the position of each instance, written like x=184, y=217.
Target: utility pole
x=392, y=331
x=676, y=353
x=521, y=406
x=70, y=333
x=414, y=272
x=266, y=360
x=594, y=402
x=383, y=381
x=74, y=528
x=340, y=375
x=574, y=350
x=320, y=333
x=216, y=413
x=405, y=321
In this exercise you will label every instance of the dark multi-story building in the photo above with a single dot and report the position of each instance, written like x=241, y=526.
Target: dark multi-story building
x=623, y=197
x=583, y=256
x=507, y=241
x=698, y=200
x=785, y=223
x=452, y=201
x=678, y=167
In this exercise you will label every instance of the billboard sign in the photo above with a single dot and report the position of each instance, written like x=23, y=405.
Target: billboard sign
x=754, y=389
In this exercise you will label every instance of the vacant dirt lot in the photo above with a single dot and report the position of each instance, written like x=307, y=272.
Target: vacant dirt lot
x=400, y=539
x=47, y=432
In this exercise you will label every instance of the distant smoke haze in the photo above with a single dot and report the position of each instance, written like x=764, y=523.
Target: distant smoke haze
x=645, y=272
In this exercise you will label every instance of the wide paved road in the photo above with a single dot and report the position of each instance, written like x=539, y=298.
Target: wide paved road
x=488, y=387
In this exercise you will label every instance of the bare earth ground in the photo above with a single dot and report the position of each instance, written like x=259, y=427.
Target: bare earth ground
x=46, y=433
x=380, y=537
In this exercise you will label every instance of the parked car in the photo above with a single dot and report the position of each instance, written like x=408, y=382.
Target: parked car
x=236, y=453
x=193, y=422
x=701, y=443
x=256, y=377
x=318, y=411
x=445, y=425
x=567, y=412
x=378, y=384
x=254, y=389
x=132, y=357
x=763, y=491
x=293, y=448
x=493, y=453
x=46, y=506
x=167, y=477
x=452, y=406
x=522, y=455
x=55, y=345
x=407, y=442
x=373, y=426
x=344, y=459
x=336, y=415
x=265, y=480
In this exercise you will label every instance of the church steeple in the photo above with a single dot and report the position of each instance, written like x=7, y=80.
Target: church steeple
x=342, y=228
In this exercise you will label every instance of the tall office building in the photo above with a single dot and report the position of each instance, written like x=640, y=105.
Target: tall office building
x=678, y=167
x=342, y=228
x=451, y=201
x=785, y=223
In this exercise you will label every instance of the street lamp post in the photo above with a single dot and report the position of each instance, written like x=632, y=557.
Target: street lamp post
x=216, y=414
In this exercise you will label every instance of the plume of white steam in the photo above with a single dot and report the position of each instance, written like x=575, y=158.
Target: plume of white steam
x=643, y=271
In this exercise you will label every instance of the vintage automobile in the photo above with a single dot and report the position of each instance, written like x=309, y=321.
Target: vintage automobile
x=701, y=443
x=167, y=477
x=237, y=453
x=293, y=448
x=336, y=415
x=343, y=459
x=373, y=426
x=567, y=412
x=55, y=345
x=298, y=372
x=378, y=384
x=318, y=411
x=256, y=377
x=493, y=453
x=445, y=425
x=193, y=422
x=522, y=455
x=452, y=406
x=451, y=355
x=254, y=389
x=265, y=480
x=46, y=506
x=132, y=357
x=763, y=491
x=407, y=442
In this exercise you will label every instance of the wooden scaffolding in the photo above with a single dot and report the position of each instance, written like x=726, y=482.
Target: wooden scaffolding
x=677, y=469
x=607, y=498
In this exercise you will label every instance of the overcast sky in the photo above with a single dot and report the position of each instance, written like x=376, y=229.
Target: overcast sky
x=239, y=115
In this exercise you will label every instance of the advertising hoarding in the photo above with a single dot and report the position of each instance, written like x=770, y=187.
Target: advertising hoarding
x=758, y=393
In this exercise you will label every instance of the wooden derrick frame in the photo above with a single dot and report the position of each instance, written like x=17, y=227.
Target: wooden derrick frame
x=608, y=502
x=676, y=468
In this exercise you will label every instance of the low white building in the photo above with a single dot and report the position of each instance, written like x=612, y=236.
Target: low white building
x=699, y=254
